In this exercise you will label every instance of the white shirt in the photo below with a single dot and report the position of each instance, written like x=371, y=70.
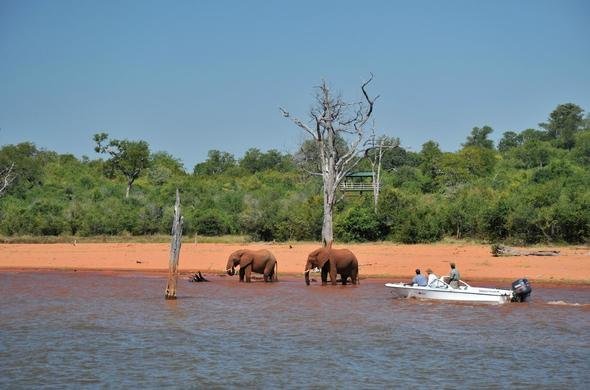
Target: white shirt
x=431, y=278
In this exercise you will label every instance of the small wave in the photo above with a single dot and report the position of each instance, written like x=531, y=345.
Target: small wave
x=563, y=303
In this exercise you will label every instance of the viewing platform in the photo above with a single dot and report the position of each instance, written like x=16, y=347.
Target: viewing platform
x=359, y=182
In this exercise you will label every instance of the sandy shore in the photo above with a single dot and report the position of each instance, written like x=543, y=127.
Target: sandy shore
x=475, y=262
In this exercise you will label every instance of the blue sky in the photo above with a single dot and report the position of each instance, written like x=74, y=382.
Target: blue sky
x=190, y=76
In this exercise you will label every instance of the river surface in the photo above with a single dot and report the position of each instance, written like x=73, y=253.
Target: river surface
x=84, y=329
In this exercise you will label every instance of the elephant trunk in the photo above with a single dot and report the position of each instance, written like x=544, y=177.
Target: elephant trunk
x=230, y=268
x=306, y=273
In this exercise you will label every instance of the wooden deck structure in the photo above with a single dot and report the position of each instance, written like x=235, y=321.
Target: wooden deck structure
x=358, y=182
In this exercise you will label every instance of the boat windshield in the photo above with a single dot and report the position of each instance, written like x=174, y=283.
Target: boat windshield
x=442, y=282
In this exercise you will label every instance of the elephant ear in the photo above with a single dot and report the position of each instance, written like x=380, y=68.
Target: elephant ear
x=246, y=259
x=323, y=256
x=235, y=257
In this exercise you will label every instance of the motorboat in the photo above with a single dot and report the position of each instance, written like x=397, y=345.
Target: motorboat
x=439, y=289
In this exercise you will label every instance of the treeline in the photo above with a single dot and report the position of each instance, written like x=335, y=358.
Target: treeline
x=532, y=187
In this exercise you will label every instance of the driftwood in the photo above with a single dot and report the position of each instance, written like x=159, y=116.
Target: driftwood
x=174, y=250
x=503, y=250
x=198, y=277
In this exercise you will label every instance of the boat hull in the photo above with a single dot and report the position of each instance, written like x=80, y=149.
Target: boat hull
x=471, y=294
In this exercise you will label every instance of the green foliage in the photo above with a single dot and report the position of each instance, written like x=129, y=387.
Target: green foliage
x=509, y=140
x=479, y=138
x=564, y=122
x=217, y=163
x=129, y=158
x=430, y=165
x=256, y=161
x=359, y=223
x=534, y=188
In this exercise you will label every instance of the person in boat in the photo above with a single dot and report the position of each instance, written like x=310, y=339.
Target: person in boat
x=432, y=278
x=454, y=276
x=419, y=279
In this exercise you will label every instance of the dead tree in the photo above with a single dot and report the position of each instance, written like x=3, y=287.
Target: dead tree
x=334, y=120
x=503, y=250
x=7, y=176
x=374, y=153
x=174, y=250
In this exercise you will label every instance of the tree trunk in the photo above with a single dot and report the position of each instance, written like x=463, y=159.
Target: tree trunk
x=329, y=174
x=174, y=250
x=327, y=227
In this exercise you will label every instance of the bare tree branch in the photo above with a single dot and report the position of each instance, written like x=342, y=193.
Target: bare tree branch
x=286, y=114
x=7, y=176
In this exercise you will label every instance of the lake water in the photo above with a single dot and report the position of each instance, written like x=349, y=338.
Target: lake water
x=83, y=329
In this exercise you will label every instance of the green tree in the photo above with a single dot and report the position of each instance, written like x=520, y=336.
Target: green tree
x=23, y=166
x=256, y=161
x=510, y=140
x=163, y=167
x=581, y=152
x=359, y=223
x=533, y=154
x=129, y=158
x=430, y=164
x=217, y=163
x=564, y=122
x=479, y=138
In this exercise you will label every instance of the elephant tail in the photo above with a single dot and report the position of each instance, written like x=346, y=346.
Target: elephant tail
x=276, y=275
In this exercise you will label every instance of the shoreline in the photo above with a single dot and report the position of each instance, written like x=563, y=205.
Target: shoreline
x=290, y=277
x=376, y=260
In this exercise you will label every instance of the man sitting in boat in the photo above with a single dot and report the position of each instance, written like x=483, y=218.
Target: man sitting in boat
x=431, y=278
x=420, y=280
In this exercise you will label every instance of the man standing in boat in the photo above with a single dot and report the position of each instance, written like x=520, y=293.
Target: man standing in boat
x=454, y=277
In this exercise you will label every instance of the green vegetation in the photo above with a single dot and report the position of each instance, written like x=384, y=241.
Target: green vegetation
x=533, y=188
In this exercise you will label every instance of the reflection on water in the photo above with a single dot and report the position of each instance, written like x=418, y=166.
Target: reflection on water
x=71, y=329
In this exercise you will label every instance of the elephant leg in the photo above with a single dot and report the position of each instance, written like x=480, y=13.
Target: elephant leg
x=344, y=277
x=324, y=277
x=242, y=272
x=268, y=273
x=248, y=274
x=333, y=275
x=354, y=276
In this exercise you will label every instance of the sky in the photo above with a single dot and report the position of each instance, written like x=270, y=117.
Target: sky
x=192, y=76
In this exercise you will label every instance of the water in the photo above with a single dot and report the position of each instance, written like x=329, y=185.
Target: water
x=72, y=330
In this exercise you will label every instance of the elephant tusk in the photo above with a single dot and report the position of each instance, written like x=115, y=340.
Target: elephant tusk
x=227, y=270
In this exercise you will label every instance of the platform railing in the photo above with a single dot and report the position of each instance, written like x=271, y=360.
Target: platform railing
x=358, y=186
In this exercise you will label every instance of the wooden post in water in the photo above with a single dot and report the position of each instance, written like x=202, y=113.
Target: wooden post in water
x=174, y=250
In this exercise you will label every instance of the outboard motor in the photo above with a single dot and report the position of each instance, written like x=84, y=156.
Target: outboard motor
x=521, y=289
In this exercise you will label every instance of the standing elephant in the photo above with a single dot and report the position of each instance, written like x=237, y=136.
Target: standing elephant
x=333, y=261
x=260, y=261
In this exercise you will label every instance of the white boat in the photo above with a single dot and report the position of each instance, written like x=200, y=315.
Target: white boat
x=440, y=290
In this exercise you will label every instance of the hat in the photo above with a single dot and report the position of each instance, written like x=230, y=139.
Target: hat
x=429, y=271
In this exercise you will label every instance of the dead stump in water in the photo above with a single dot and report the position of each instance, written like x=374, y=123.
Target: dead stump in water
x=174, y=250
x=198, y=277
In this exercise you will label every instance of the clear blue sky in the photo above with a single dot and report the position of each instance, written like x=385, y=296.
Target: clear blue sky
x=190, y=76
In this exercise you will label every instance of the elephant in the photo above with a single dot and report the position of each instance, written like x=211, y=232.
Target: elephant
x=259, y=261
x=333, y=261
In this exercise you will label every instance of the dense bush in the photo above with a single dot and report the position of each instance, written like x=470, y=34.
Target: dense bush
x=534, y=188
